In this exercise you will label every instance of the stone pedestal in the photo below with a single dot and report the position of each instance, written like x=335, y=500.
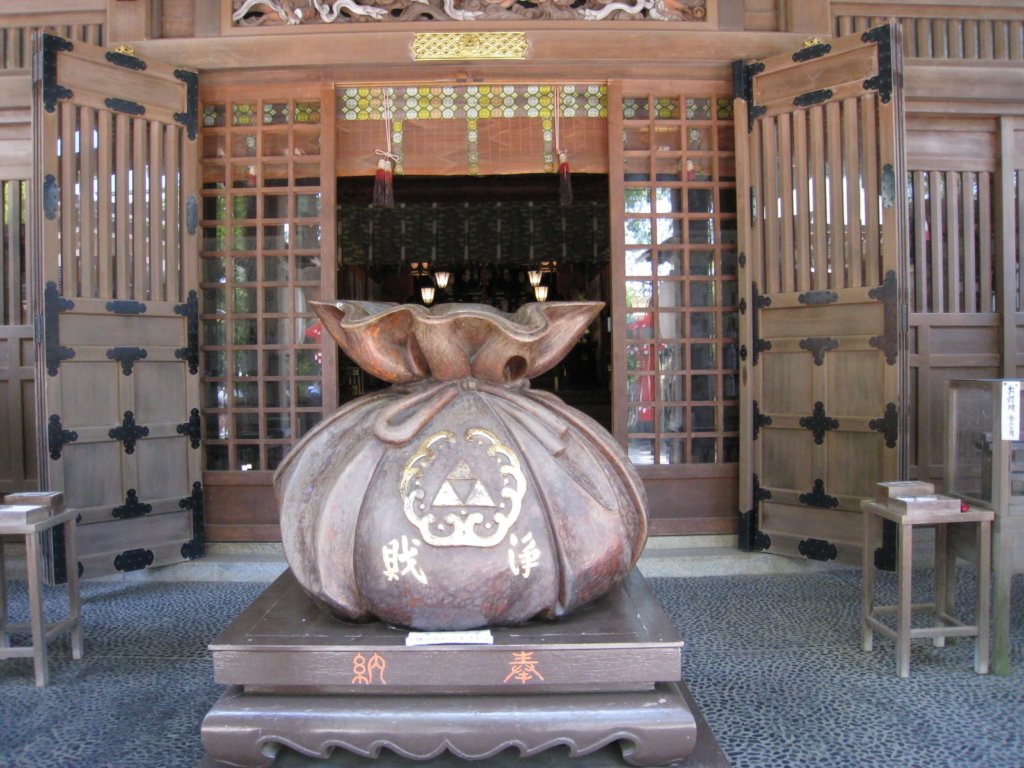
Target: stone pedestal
x=298, y=678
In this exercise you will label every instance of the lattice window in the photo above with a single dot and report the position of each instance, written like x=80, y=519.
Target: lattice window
x=946, y=37
x=16, y=41
x=952, y=241
x=261, y=204
x=679, y=244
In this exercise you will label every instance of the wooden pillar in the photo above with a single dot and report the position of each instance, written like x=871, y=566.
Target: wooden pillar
x=1006, y=283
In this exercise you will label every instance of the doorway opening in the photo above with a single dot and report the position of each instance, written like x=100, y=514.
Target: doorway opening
x=503, y=241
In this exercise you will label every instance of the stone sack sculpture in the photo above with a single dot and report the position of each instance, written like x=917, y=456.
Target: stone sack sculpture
x=458, y=497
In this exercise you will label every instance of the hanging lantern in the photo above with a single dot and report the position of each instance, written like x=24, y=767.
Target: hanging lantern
x=540, y=292
x=427, y=292
x=534, y=277
x=441, y=278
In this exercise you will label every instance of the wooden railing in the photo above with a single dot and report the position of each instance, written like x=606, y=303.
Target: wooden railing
x=992, y=30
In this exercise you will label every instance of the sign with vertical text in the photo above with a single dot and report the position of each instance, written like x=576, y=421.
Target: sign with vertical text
x=1011, y=410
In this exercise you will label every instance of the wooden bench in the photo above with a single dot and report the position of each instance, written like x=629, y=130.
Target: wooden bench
x=28, y=515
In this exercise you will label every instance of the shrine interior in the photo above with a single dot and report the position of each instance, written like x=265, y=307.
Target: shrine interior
x=487, y=234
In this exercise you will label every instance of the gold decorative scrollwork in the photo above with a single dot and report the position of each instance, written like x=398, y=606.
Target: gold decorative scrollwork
x=446, y=46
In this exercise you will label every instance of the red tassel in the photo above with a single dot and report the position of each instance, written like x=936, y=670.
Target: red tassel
x=564, y=180
x=383, y=191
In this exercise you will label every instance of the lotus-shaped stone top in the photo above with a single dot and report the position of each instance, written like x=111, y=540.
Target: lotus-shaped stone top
x=402, y=343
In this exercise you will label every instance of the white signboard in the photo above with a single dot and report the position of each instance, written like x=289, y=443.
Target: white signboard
x=1011, y=410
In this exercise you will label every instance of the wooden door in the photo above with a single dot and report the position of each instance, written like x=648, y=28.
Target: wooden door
x=115, y=175
x=672, y=181
x=822, y=240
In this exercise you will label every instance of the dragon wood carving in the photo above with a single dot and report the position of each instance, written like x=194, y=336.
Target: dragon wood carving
x=291, y=12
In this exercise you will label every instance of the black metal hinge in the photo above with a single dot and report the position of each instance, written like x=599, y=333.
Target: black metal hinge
x=888, y=425
x=125, y=307
x=888, y=342
x=51, y=197
x=190, y=311
x=53, y=305
x=818, y=346
x=882, y=82
x=133, y=560
x=126, y=60
x=819, y=422
x=190, y=550
x=816, y=298
x=190, y=117
x=52, y=91
x=811, y=98
x=57, y=437
x=818, y=498
x=128, y=432
x=132, y=507
x=818, y=549
x=811, y=52
x=191, y=428
x=127, y=357
x=743, y=87
x=751, y=538
x=760, y=420
x=758, y=302
x=125, y=106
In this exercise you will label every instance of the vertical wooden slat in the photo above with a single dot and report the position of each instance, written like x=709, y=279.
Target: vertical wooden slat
x=820, y=180
x=833, y=140
x=853, y=181
x=104, y=220
x=140, y=243
x=68, y=182
x=1000, y=46
x=924, y=49
x=785, y=210
x=985, y=42
x=87, y=202
x=939, y=50
x=172, y=179
x=935, y=229
x=770, y=206
x=756, y=258
x=955, y=37
x=122, y=206
x=921, y=270
x=970, y=33
x=745, y=230
x=190, y=241
x=845, y=25
x=1016, y=40
x=156, y=217
x=952, y=229
x=968, y=179
x=802, y=219
x=5, y=259
x=1019, y=225
x=986, y=233
x=872, y=214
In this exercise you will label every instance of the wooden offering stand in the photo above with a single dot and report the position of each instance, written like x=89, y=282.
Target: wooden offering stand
x=302, y=679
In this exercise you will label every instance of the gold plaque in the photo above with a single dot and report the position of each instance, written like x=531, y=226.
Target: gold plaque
x=442, y=46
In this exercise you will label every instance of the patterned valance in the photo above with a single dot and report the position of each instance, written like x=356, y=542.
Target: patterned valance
x=291, y=12
x=473, y=129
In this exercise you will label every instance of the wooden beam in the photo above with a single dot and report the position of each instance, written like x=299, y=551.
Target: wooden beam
x=578, y=47
x=807, y=16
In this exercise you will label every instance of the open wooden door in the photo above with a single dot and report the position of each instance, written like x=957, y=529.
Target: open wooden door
x=116, y=217
x=822, y=240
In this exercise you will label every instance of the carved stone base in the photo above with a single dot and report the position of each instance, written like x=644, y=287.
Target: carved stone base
x=652, y=727
x=325, y=689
